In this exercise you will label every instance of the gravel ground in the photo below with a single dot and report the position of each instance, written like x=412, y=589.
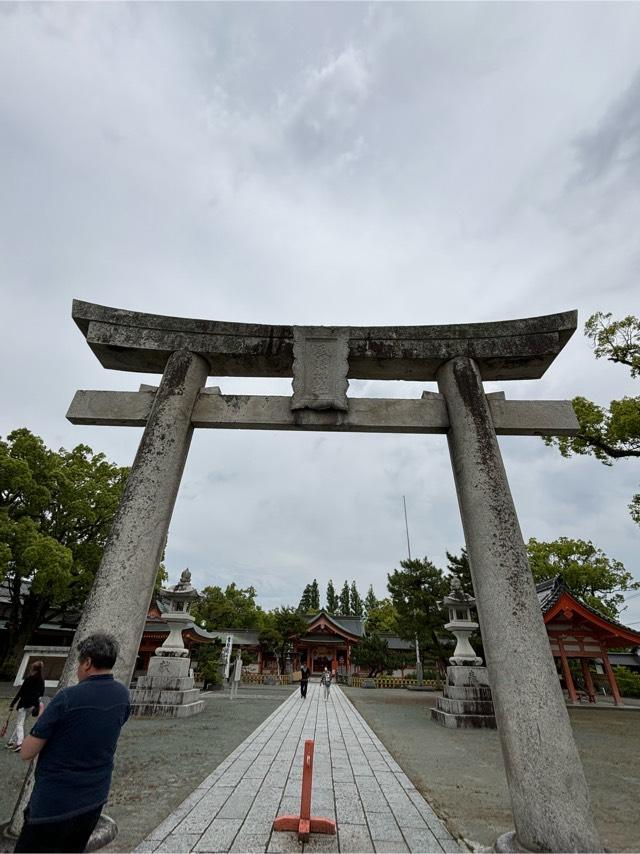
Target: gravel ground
x=160, y=762
x=461, y=773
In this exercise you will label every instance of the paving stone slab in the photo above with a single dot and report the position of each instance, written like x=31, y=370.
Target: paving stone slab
x=177, y=843
x=421, y=840
x=355, y=779
x=219, y=835
x=354, y=837
x=382, y=825
x=389, y=846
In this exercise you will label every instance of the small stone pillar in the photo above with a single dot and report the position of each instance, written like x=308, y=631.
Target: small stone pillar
x=549, y=795
x=168, y=688
x=466, y=700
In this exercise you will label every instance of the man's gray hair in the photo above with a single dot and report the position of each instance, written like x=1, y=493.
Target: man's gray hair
x=101, y=648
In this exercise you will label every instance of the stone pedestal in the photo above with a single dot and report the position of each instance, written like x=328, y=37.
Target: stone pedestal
x=466, y=702
x=167, y=691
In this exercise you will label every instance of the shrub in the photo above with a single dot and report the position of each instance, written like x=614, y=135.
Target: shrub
x=628, y=681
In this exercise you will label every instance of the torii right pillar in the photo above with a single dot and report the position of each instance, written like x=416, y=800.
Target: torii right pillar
x=549, y=795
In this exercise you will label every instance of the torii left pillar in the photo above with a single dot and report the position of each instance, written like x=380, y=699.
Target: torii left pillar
x=122, y=589
x=124, y=583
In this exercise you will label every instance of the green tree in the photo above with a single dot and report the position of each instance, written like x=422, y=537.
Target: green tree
x=370, y=601
x=416, y=591
x=332, y=598
x=344, y=604
x=207, y=663
x=280, y=628
x=373, y=653
x=231, y=608
x=56, y=510
x=357, y=605
x=459, y=565
x=599, y=581
x=382, y=618
x=613, y=433
x=304, y=606
x=315, y=596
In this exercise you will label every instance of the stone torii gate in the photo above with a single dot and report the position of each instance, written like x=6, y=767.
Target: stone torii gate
x=549, y=794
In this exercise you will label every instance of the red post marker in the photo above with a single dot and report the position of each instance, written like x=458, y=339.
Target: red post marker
x=305, y=823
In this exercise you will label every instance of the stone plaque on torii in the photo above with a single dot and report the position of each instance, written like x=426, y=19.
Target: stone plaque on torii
x=549, y=795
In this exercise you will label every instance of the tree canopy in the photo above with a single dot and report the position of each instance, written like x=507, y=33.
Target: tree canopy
x=332, y=598
x=279, y=628
x=370, y=600
x=416, y=591
x=356, y=605
x=598, y=580
x=344, y=601
x=383, y=618
x=231, y=608
x=56, y=510
x=459, y=565
x=304, y=605
x=372, y=652
x=609, y=433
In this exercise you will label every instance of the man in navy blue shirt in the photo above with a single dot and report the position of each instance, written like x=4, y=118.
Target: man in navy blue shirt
x=75, y=740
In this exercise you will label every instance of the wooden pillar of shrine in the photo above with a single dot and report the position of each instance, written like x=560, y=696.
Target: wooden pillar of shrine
x=588, y=681
x=260, y=661
x=611, y=676
x=566, y=672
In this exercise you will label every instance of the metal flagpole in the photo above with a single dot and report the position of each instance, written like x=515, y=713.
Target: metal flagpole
x=419, y=674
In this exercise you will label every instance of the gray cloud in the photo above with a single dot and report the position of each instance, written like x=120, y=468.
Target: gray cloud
x=351, y=164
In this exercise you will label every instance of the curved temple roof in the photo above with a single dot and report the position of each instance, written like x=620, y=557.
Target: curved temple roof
x=504, y=350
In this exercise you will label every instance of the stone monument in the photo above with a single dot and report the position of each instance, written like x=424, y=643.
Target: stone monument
x=168, y=690
x=466, y=700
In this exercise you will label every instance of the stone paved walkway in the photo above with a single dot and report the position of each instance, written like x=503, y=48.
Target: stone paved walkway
x=355, y=781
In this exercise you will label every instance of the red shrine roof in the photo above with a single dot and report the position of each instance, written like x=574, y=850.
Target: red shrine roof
x=557, y=600
x=350, y=628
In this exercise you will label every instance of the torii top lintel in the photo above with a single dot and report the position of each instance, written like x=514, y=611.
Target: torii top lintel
x=504, y=350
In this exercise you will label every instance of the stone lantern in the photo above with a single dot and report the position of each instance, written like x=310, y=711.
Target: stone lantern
x=179, y=598
x=461, y=623
x=168, y=688
x=466, y=696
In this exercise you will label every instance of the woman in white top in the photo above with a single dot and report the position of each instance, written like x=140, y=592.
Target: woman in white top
x=325, y=680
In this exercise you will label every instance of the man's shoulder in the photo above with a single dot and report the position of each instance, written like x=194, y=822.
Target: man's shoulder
x=103, y=687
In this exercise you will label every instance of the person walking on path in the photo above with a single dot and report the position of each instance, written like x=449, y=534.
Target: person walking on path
x=325, y=681
x=304, y=681
x=236, y=676
x=75, y=740
x=28, y=700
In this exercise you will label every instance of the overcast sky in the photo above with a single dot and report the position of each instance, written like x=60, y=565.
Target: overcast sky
x=344, y=164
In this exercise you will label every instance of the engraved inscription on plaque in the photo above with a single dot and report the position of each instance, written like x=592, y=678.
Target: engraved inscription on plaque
x=320, y=366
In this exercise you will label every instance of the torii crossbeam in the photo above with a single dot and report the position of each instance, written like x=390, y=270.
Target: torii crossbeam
x=548, y=790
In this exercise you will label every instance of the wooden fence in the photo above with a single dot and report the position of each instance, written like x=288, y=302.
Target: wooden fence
x=395, y=682
x=267, y=678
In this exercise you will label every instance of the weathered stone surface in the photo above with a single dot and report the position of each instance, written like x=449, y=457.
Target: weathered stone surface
x=177, y=683
x=320, y=367
x=549, y=794
x=463, y=721
x=160, y=695
x=465, y=707
x=513, y=349
x=463, y=676
x=167, y=667
x=124, y=582
x=166, y=710
x=104, y=832
x=466, y=692
x=373, y=415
